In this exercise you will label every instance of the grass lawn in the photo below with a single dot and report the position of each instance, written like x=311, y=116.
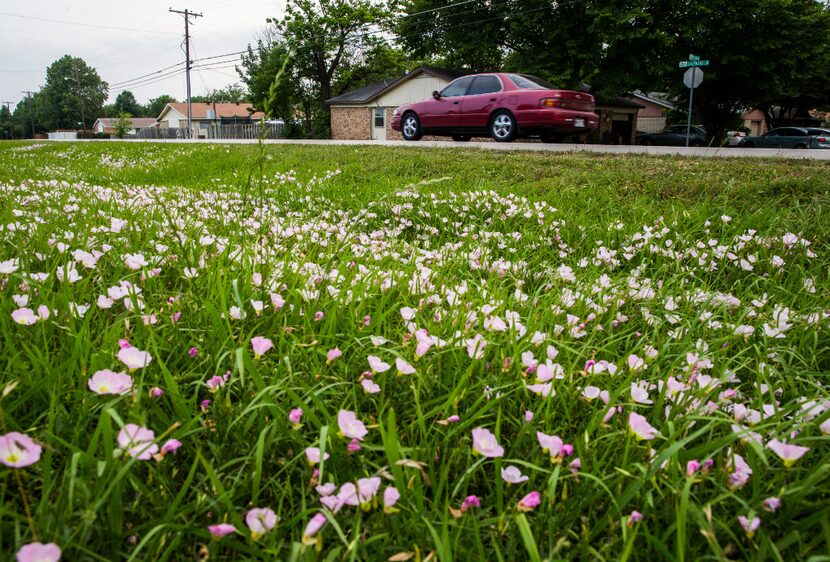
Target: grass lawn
x=368, y=353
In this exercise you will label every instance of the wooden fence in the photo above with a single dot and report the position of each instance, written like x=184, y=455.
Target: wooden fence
x=239, y=131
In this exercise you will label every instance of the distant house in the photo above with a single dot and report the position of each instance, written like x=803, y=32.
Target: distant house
x=107, y=124
x=655, y=108
x=618, y=121
x=174, y=115
x=366, y=113
x=755, y=121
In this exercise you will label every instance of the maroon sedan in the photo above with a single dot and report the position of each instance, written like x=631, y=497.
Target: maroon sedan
x=501, y=106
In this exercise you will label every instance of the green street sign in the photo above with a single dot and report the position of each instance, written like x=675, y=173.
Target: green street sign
x=694, y=57
x=691, y=63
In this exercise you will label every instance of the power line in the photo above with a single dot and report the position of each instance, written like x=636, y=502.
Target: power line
x=187, y=15
x=118, y=84
x=85, y=24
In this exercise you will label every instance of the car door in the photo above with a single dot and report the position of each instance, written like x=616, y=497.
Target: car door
x=772, y=139
x=445, y=110
x=674, y=136
x=482, y=96
x=795, y=137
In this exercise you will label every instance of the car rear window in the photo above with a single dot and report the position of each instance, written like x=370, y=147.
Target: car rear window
x=527, y=82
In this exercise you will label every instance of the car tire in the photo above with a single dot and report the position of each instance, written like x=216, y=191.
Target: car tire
x=696, y=144
x=503, y=126
x=411, y=127
x=800, y=146
x=647, y=142
x=461, y=138
x=747, y=144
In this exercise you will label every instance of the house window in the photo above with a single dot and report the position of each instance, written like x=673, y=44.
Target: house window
x=379, y=117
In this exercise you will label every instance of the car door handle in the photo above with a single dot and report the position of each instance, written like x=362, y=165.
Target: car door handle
x=456, y=102
x=492, y=99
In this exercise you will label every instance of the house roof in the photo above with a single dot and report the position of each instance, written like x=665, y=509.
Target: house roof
x=135, y=122
x=198, y=110
x=617, y=102
x=367, y=94
x=653, y=97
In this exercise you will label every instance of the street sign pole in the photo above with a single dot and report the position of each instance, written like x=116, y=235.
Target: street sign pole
x=691, y=99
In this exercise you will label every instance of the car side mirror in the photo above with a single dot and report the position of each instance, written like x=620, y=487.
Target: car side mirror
x=436, y=94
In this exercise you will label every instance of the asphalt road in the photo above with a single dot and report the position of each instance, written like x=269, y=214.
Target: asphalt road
x=723, y=152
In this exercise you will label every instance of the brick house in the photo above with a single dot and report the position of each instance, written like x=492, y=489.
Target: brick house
x=366, y=113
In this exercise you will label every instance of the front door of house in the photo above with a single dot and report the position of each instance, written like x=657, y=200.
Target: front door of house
x=378, y=123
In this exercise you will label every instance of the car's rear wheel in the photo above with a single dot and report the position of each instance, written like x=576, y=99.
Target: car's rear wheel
x=747, y=144
x=503, y=127
x=411, y=127
x=647, y=142
x=461, y=138
x=800, y=146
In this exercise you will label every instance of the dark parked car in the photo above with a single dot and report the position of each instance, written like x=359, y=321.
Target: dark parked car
x=501, y=106
x=675, y=136
x=790, y=137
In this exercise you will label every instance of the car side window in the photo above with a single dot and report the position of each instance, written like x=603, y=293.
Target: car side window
x=484, y=85
x=457, y=88
x=774, y=133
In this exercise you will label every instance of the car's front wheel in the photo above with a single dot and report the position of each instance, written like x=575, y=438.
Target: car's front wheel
x=503, y=127
x=411, y=127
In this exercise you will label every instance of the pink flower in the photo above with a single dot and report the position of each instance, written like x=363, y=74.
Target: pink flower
x=25, y=317
x=314, y=526
x=110, y=382
x=170, y=446
x=530, y=501
x=156, y=392
x=485, y=443
x=350, y=426
x=691, y=467
x=133, y=358
x=333, y=354
x=390, y=498
x=528, y=416
x=313, y=455
x=641, y=428
x=347, y=495
x=367, y=488
x=512, y=475
x=740, y=471
x=404, y=368
x=353, y=446
x=261, y=345
x=369, y=386
x=260, y=520
x=787, y=452
x=221, y=530
x=376, y=365
x=137, y=442
x=470, y=501
x=18, y=450
x=634, y=517
x=550, y=444
x=39, y=552
x=205, y=406
x=215, y=382
x=749, y=525
x=294, y=416
x=193, y=352
x=124, y=344
x=772, y=504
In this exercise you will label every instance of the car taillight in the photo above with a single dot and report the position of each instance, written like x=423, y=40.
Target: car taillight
x=550, y=102
x=822, y=139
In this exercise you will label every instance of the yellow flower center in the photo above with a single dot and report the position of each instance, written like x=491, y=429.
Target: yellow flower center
x=11, y=457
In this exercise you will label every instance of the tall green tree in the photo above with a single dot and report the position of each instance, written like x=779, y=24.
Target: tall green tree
x=6, y=125
x=232, y=93
x=125, y=102
x=155, y=106
x=74, y=94
x=26, y=117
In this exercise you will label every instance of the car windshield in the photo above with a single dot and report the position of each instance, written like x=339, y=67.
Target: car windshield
x=527, y=82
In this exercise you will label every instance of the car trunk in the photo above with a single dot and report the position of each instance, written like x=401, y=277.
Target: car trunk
x=576, y=101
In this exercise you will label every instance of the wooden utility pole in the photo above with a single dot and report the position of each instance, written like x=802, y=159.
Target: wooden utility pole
x=187, y=15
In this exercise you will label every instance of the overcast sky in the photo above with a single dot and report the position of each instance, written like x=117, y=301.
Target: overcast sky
x=148, y=38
